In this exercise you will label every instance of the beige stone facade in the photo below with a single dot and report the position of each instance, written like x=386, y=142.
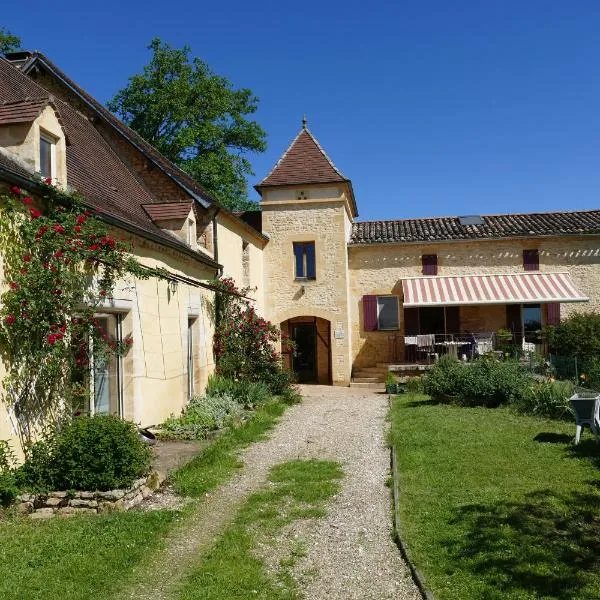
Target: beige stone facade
x=380, y=269
x=320, y=217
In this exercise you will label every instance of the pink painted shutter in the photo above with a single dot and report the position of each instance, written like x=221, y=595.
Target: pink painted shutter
x=554, y=313
x=370, y=313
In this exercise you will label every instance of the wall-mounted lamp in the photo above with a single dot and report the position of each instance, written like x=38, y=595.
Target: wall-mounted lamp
x=302, y=290
x=173, y=283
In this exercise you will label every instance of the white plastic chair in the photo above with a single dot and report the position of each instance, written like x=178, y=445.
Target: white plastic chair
x=587, y=412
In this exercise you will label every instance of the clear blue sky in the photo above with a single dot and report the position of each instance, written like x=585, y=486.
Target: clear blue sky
x=430, y=107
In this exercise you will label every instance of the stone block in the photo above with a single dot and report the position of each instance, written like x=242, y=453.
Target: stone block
x=42, y=513
x=112, y=495
x=54, y=502
x=79, y=502
x=24, y=508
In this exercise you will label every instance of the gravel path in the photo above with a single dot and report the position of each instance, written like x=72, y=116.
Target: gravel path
x=349, y=552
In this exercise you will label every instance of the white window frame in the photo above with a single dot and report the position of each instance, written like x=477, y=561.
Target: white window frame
x=50, y=139
x=379, y=327
x=118, y=317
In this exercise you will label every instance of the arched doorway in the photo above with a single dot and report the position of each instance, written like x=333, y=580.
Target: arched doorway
x=311, y=358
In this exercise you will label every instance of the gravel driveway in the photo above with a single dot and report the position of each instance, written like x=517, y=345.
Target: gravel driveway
x=350, y=550
x=350, y=554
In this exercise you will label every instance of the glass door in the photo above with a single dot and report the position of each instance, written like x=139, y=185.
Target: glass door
x=190, y=357
x=106, y=371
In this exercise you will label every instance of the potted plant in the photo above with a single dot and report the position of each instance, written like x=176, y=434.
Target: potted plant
x=391, y=385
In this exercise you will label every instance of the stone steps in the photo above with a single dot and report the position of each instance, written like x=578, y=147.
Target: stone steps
x=379, y=387
x=360, y=378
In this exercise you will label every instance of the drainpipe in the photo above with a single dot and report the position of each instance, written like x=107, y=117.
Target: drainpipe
x=216, y=243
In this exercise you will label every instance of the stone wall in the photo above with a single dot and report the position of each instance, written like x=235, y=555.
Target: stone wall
x=379, y=269
x=45, y=506
x=323, y=221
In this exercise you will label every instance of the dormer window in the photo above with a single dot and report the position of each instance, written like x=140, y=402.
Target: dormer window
x=190, y=232
x=47, y=156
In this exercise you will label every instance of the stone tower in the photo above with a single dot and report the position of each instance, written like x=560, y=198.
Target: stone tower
x=308, y=207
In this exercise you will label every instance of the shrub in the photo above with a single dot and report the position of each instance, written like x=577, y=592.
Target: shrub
x=8, y=486
x=203, y=414
x=578, y=336
x=445, y=381
x=414, y=385
x=547, y=398
x=101, y=452
x=248, y=393
x=244, y=343
x=218, y=385
x=485, y=382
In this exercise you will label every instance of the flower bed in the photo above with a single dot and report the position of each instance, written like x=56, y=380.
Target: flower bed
x=44, y=506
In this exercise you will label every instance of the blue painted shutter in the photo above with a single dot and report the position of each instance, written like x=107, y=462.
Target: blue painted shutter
x=299, y=253
x=311, y=272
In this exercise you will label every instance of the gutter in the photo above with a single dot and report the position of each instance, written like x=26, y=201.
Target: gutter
x=25, y=182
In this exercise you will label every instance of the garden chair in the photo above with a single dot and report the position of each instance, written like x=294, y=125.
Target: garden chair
x=586, y=406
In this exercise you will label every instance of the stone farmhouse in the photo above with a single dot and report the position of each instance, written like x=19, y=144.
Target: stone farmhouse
x=353, y=295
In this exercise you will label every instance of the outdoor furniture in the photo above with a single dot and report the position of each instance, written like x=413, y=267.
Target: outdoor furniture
x=586, y=406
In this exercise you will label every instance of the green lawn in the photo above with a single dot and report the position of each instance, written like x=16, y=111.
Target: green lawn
x=92, y=557
x=495, y=504
x=79, y=558
x=298, y=489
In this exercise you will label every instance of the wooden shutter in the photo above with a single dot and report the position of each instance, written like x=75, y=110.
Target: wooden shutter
x=531, y=260
x=430, y=264
x=310, y=260
x=299, y=255
x=553, y=313
x=370, y=313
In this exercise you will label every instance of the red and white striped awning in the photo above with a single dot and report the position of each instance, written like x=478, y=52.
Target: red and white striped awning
x=514, y=288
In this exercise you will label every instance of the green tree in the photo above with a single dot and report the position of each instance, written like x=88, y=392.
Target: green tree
x=8, y=41
x=196, y=119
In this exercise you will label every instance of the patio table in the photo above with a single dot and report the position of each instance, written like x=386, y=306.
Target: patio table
x=452, y=347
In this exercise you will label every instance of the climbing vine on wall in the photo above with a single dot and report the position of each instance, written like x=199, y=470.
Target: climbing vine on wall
x=61, y=263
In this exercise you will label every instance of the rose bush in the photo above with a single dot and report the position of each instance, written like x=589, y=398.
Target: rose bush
x=60, y=262
x=245, y=343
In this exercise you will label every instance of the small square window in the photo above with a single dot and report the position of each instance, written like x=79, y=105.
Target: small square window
x=388, y=316
x=304, y=255
x=47, y=151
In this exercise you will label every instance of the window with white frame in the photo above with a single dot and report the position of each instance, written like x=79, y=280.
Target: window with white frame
x=47, y=155
x=388, y=314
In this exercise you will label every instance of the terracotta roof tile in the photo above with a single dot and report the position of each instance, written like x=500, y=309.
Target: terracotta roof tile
x=303, y=162
x=440, y=229
x=21, y=112
x=168, y=210
x=93, y=167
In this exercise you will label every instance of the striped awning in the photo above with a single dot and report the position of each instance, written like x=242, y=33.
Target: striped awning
x=514, y=288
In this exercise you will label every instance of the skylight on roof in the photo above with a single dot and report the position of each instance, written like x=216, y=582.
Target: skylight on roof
x=470, y=220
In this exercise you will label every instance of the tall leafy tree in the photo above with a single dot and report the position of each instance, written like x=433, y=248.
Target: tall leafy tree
x=195, y=118
x=8, y=41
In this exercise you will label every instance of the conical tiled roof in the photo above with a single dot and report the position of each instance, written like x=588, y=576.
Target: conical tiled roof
x=303, y=162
